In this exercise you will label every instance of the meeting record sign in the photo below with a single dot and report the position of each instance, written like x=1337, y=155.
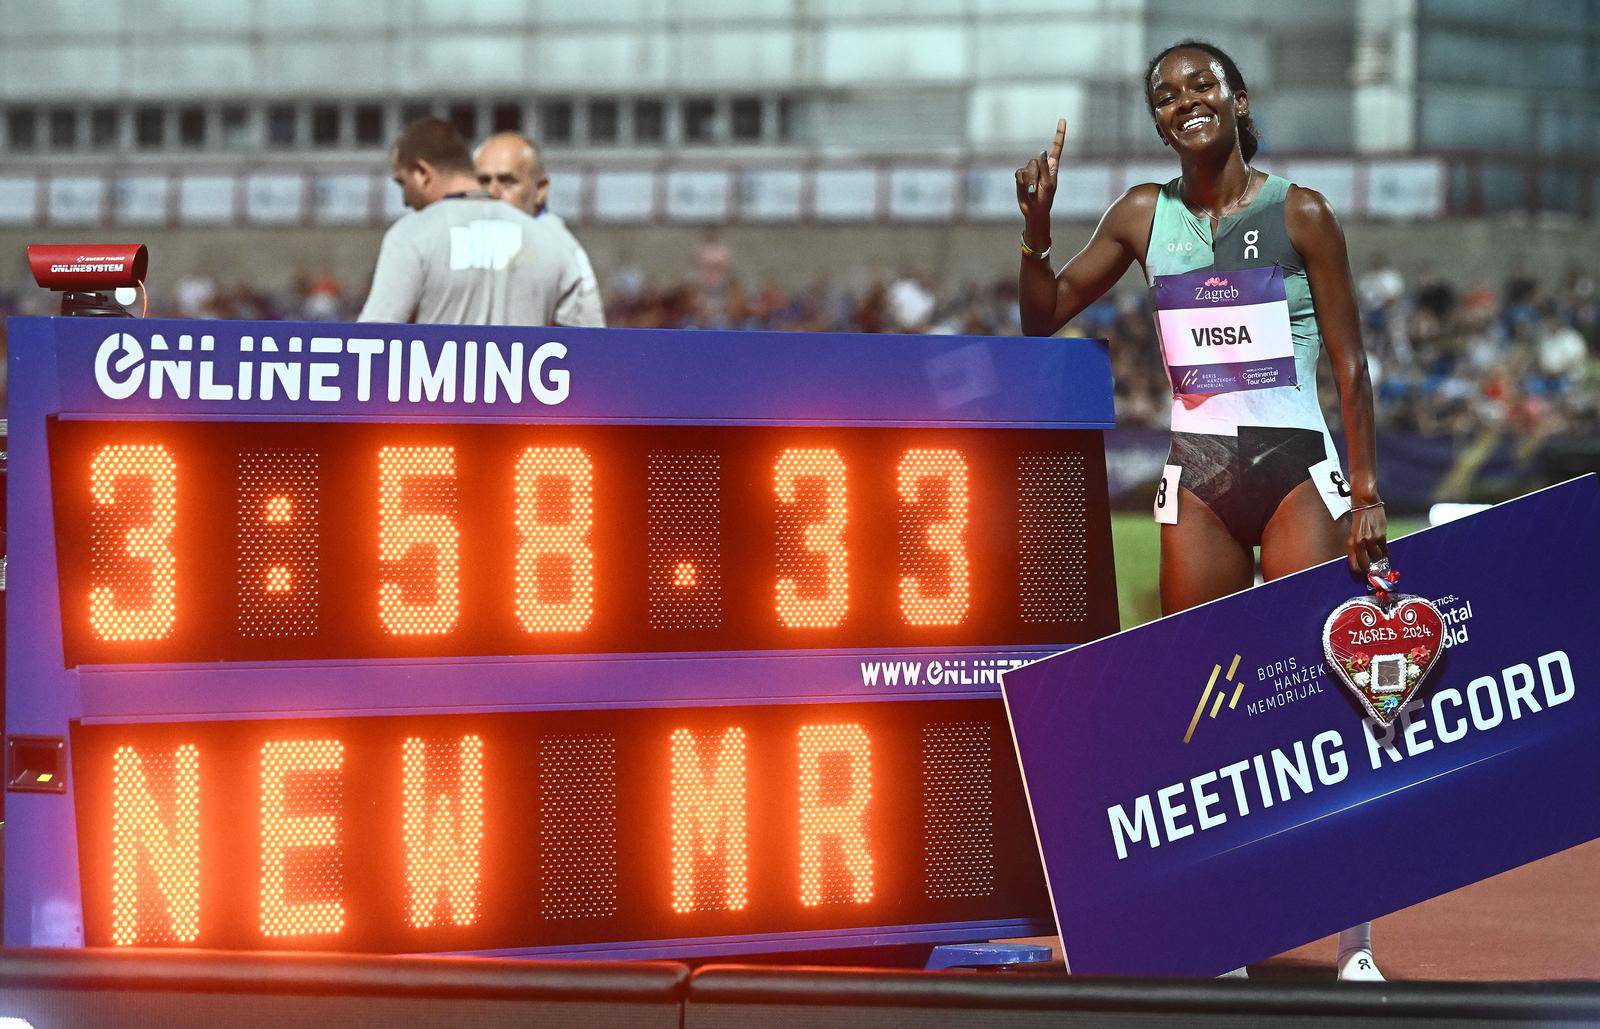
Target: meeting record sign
x=1256, y=805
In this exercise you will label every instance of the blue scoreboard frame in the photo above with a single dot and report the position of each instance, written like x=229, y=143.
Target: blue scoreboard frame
x=535, y=641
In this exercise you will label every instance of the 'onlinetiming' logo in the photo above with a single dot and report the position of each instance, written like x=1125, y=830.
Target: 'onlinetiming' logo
x=328, y=369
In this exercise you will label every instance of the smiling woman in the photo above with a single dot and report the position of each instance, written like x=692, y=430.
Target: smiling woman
x=1193, y=122
x=1249, y=276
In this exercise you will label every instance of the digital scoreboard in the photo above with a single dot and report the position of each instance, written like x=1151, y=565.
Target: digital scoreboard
x=536, y=641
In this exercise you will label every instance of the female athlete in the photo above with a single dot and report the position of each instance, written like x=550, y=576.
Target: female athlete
x=1250, y=279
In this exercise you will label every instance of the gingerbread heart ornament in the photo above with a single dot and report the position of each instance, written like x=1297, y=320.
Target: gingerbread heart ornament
x=1382, y=648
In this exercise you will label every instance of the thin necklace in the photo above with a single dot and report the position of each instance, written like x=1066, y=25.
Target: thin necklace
x=1249, y=175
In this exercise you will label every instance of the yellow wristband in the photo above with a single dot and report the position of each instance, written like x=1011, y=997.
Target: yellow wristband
x=1038, y=255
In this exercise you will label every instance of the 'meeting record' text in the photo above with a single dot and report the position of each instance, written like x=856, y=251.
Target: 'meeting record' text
x=1284, y=774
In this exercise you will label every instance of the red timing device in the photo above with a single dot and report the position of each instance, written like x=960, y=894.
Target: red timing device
x=88, y=269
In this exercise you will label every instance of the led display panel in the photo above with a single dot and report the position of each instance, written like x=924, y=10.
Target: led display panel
x=204, y=541
x=626, y=643
x=544, y=829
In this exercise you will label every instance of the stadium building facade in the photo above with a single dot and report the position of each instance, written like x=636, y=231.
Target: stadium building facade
x=890, y=134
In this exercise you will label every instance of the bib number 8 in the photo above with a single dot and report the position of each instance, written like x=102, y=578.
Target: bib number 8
x=1332, y=486
x=1167, y=494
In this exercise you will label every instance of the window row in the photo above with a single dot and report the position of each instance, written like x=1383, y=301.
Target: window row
x=289, y=125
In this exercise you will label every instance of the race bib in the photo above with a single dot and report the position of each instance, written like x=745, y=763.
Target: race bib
x=1224, y=332
x=1332, y=486
x=1167, y=494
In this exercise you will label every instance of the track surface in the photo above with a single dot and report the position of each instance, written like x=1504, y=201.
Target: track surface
x=1540, y=921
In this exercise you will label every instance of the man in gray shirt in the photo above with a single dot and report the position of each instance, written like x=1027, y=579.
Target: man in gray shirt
x=510, y=168
x=463, y=258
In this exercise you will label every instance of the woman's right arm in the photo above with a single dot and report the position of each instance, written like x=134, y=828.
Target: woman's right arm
x=1049, y=300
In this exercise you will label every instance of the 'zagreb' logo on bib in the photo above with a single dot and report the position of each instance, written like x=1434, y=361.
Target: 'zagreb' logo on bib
x=1216, y=290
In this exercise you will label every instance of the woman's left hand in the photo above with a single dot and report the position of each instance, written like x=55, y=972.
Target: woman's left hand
x=1369, y=537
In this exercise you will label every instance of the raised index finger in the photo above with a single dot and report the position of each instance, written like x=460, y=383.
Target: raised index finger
x=1060, y=140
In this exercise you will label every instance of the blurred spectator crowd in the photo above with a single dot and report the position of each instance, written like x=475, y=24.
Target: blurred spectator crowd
x=1447, y=358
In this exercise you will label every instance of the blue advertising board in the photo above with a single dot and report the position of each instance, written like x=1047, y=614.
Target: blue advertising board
x=1205, y=795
